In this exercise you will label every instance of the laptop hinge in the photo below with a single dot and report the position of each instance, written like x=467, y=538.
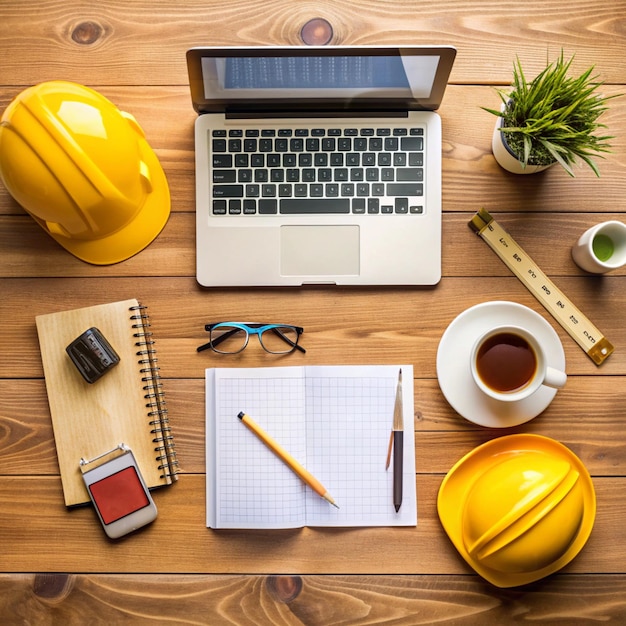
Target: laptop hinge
x=232, y=115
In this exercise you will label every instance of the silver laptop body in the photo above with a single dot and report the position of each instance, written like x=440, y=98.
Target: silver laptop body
x=318, y=165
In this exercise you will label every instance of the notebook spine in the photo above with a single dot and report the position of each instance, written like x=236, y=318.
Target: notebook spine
x=165, y=448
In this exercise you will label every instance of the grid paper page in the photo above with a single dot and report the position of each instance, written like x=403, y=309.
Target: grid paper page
x=335, y=420
x=349, y=420
x=252, y=487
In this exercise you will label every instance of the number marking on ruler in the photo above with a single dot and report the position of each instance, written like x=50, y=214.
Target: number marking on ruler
x=584, y=333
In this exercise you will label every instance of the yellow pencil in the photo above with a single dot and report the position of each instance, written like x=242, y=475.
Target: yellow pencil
x=286, y=458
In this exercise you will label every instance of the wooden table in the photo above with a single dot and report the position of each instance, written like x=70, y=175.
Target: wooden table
x=57, y=565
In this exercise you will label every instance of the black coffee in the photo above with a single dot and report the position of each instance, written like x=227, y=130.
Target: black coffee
x=506, y=362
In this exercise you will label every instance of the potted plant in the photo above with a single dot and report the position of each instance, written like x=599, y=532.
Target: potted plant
x=550, y=119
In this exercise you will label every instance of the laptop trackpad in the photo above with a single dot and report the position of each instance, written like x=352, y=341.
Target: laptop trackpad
x=319, y=250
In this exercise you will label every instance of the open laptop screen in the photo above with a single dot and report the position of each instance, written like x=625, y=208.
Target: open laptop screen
x=310, y=78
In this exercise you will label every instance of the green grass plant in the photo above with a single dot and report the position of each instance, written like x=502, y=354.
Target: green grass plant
x=554, y=117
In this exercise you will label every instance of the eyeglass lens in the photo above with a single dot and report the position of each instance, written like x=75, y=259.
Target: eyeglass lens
x=232, y=339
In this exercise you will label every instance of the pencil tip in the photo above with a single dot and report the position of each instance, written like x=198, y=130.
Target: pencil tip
x=397, y=507
x=329, y=498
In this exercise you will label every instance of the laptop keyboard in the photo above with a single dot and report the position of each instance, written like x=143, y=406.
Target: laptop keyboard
x=369, y=171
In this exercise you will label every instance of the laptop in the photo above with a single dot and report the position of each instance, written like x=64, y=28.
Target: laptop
x=318, y=165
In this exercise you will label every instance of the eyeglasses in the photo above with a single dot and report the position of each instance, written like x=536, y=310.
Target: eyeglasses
x=232, y=337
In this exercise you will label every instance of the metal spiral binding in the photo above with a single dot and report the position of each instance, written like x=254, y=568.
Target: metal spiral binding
x=153, y=394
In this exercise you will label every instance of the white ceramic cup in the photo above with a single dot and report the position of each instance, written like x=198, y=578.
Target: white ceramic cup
x=601, y=248
x=505, y=362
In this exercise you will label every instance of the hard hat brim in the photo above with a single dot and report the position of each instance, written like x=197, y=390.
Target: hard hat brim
x=458, y=483
x=137, y=234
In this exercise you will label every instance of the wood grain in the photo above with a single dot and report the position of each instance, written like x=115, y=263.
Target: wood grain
x=179, y=542
x=144, y=42
x=173, y=252
x=361, y=331
x=58, y=566
x=441, y=435
x=320, y=600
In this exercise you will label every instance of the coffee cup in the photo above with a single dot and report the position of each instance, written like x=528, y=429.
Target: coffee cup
x=509, y=364
x=601, y=248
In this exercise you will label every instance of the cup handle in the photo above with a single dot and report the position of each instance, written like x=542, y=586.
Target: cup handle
x=554, y=378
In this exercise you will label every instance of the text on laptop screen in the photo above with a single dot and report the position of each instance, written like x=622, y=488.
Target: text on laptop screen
x=318, y=77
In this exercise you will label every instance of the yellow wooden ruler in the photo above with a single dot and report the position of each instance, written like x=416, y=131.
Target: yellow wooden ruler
x=584, y=333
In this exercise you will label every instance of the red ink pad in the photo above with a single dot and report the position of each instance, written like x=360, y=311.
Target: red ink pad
x=119, y=495
x=118, y=492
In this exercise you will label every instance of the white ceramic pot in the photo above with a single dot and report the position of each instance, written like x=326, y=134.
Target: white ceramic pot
x=588, y=257
x=506, y=158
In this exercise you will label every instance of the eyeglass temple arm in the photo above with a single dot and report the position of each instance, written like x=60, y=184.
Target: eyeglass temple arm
x=285, y=338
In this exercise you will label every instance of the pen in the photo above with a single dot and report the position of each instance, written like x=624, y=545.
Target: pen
x=284, y=456
x=396, y=442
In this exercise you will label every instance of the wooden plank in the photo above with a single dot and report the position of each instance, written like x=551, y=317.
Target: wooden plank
x=147, y=41
x=173, y=251
x=179, y=542
x=312, y=600
x=360, y=331
x=585, y=416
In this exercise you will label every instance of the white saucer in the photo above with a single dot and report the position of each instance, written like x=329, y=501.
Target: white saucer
x=453, y=369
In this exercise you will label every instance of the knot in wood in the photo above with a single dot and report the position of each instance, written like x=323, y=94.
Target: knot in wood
x=284, y=589
x=317, y=32
x=52, y=588
x=87, y=33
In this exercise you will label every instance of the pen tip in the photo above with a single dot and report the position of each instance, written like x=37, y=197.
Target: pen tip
x=397, y=507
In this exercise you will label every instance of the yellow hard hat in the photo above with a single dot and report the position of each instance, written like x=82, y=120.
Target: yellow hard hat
x=518, y=508
x=84, y=170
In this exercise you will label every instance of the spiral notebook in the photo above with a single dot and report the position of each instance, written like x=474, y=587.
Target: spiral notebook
x=126, y=405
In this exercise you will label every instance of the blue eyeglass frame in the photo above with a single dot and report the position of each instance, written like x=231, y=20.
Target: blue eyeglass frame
x=253, y=328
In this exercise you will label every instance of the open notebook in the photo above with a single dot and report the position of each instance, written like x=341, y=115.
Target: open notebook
x=335, y=420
